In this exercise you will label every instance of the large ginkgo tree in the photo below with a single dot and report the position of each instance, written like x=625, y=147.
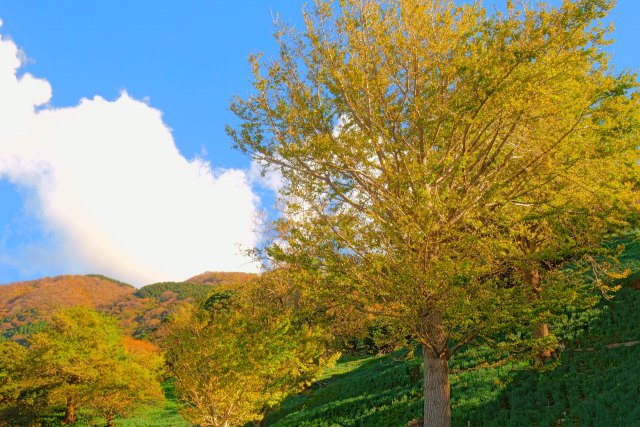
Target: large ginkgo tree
x=443, y=165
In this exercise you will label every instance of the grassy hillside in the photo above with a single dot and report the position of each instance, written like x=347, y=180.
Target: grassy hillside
x=162, y=415
x=165, y=415
x=593, y=385
x=596, y=381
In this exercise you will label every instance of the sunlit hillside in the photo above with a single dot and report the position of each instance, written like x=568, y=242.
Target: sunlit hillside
x=30, y=302
x=593, y=383
x=221, y=278
x=26, y=306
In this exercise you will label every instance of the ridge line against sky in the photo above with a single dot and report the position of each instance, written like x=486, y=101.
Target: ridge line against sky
x=110, y=111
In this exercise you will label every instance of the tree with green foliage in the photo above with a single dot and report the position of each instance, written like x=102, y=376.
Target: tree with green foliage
x=128, y=384
x=183, y=290
x=435, y=157
x=232, y=361
x=12, y=357
x=79, y=361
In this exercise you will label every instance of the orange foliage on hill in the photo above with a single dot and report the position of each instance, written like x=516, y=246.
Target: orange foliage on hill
x=25, y=304
x=141, y=317
x=136, y=346
x=225, y=280
x=35, y=300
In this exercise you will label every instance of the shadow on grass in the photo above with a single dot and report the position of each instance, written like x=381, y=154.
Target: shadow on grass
x=592, y=385
x=597, y=387
x=358, y=397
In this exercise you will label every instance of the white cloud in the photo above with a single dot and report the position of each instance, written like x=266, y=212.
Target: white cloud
x=265, y=177
x=108, y=181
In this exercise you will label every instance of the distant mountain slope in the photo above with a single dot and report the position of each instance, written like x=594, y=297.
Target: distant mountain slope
x=193, y=287
x=182, y=290
x=61, y=291
x=33, y=301
x=25, y=306
x=226, y=280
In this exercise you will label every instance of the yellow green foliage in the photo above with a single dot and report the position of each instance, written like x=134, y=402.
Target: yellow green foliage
x=79, y=361
x=443, y=164
x=233, y=360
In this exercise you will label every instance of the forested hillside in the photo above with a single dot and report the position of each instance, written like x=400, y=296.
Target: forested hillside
x=221, y=278
x=592, y=382
x=27, y=306
x=24, y=305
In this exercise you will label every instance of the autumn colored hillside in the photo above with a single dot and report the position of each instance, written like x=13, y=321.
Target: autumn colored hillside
x=25, y=306
x=33, y=301
x=60, y=291
x=227, y=280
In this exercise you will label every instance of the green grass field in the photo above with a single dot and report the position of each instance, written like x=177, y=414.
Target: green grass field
x=596, y=387
x=165, y=415
x=592, y=385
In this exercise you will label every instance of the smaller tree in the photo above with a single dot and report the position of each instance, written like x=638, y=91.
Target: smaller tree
x=130, y=384
x=233, y=360
x=12, y=357
x=132, y=381
x=80, y=361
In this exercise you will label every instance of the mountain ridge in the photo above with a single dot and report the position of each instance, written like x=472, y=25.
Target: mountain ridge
x=26, y=305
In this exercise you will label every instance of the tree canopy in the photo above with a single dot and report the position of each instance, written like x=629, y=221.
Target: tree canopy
x=79, y=361
x=238, y=355
x=437, y=158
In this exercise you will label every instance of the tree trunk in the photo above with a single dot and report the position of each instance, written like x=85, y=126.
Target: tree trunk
x=540, y=330
x=110, y=421
x=437, y=406
x=70, y=412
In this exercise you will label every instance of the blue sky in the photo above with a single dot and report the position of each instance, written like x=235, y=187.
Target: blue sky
x=185, y=60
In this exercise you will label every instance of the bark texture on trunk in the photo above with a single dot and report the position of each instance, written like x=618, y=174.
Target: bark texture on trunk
x=540, y=330
x=437, y=392
x=70, y=412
